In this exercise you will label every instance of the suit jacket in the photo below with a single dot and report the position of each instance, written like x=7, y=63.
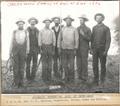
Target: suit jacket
x=84, y=39
x=101, y=37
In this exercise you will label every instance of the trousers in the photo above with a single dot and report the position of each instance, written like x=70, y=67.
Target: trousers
x=98, y=55
x=82, y=63
x=31, y=72
x=47, y=63
x=19, y=56
x=67, y=60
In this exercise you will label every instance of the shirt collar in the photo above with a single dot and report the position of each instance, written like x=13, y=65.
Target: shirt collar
x=32, y=28
x=69, y=26
x=99, y=25
x=57, y=26
x=46, y=28
x=83, y=25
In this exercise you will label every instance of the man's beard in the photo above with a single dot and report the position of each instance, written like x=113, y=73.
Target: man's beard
x=56, y=24
x=47, y=26
x=68, y=24
x=20, y=28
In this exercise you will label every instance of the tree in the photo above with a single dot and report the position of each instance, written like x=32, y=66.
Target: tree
x=117, y=29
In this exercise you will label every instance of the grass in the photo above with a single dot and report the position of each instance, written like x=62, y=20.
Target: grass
x=111, y=84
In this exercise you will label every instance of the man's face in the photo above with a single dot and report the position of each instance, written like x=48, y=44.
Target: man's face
x=57, y=22
x=20, y=25
x=99, y=19
x=32, y=22
x=47, y=24
x=68, y=22
x=82, y=21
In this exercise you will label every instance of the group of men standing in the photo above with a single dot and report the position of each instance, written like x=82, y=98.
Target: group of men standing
x=58, y=47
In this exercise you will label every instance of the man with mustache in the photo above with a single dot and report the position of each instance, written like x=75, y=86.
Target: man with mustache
x=32, y=55
x=18, y=52
x=57, y=59
x=68, y=44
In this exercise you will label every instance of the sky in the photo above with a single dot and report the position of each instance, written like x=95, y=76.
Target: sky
x=13, y=11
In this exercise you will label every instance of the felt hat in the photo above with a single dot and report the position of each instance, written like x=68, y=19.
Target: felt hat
x=68, y=17
x=20, y=20
x=33, y=18
x=47, y=19
x=56, y=18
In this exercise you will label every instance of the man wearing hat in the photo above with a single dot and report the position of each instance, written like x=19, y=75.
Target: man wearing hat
x=83, y=48
x=56, y=29
x=100, y=43
x=68, y=44
x=18, y=51
x=33, y=33
x=47, y=44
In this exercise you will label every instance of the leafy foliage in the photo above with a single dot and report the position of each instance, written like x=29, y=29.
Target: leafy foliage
x=117, y=31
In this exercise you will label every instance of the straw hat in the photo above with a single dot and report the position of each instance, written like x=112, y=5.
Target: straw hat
x=84, y=17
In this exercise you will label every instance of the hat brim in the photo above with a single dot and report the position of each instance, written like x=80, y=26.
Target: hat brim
x=47, y=20
x=33, y=19
x=86, y=19
x=19, y=22
x=68, y=18
x=55, y=18
x=99, y=14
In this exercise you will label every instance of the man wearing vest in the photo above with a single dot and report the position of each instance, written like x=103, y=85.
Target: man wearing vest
x=68, y=44
x=56, y=64
x=83, y=48
x=100, y=43
x=18, y=51
x=33, y=33
x=47, y=44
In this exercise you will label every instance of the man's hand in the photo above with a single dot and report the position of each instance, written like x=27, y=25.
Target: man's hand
x=82, y=32
x=11, y=54
x=75, y=52
x=40, y=50
x=53, y=52
x=91, y=51
x=105, y=53
x=59, y=51
x=27, y=52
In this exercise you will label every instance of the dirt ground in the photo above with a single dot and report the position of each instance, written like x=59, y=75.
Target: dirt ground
x=38, y=86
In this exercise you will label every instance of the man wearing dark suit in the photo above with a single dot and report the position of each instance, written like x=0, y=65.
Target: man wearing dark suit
x=100, y=43
x=83, y=48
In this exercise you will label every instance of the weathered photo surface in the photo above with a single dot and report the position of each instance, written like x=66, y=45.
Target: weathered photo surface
x=60, y=47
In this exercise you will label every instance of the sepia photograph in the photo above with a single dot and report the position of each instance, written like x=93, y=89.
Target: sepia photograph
x=60, y=47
